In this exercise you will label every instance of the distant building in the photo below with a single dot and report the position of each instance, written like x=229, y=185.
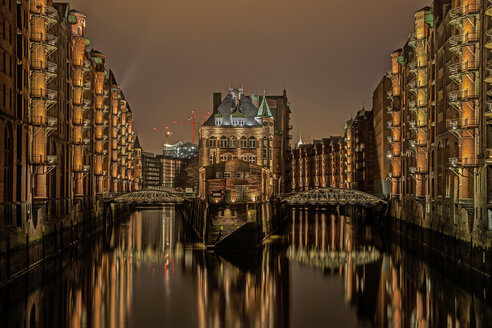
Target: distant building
x=360, y=150
x=151, y=170
x=242, y=127
x=382, y=137
x=183, y=150
x=170, y=168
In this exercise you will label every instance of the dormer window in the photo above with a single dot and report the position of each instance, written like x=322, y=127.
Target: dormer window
x=237, y=121
x=218, y=121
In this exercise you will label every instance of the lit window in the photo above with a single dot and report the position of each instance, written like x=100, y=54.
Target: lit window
x=252, y=142
x=244, y=143
x=232, y=142
x=223, y=142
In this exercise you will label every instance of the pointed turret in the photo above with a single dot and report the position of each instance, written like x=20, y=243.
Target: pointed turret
x=137, y=143
x=264, y=110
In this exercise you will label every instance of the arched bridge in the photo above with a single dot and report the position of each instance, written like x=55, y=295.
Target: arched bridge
x=148, y=197
x=332, y=196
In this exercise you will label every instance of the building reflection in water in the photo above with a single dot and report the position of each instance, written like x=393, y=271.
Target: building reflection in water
x=105, y=287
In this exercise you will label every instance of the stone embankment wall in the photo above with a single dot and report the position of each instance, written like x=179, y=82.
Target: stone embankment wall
x=50, y=232
x=449, y=233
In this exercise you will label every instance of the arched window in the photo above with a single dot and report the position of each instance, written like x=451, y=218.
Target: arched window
x=223, y=142
x=232, y=142
x=252, y=142
x=212, y=143
x=218, y=121
x=211, y=159
x=223, y=158
x=244, y=142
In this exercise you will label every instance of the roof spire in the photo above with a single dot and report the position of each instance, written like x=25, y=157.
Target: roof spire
x=264, y=108
x=300, y=140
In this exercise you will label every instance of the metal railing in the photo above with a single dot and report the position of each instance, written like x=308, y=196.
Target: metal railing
x=463, y=162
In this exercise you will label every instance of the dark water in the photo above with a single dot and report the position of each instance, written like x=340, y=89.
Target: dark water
x=322, y=271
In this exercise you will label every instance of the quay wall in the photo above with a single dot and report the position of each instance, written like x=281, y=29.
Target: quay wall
x=448, y=231
x=52, y=227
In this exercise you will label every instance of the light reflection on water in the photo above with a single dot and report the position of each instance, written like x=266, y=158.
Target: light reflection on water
x=323, y=270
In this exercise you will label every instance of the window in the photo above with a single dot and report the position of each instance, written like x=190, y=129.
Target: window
x=219, y=175
x=239, y=174
x=244, y=143
x=252, y=142
x=265, y=142
x=223, y=158
x=232, y=142
x=223, y=142
x=244, y=158
x=218, y=121
x=212, y=143
x=211, y=159
x=252, y=159
x=227, y=174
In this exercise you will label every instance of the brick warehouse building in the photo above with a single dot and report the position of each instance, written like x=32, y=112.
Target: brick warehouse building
x=240, y=127
x=65, y=125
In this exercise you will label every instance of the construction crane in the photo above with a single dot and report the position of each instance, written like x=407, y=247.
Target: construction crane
x=192, y=120
x=167, y=133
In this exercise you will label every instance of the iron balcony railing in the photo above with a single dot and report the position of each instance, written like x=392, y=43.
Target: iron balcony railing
x=82, y=168
x=463, y=67
x=44, y=121
x=458, y=13
x=44, y=160
x=463, y=39
x=461, y=95
x=44, y=66
x=463, y=161
x=417, y=170
x=414, y=143
x=461, y=123
x=488, y=10
x=44, y=94
x=82, y=141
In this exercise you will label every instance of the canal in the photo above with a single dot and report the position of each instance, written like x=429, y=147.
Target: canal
x=321, y=270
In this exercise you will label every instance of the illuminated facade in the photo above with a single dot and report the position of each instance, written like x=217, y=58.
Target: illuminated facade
x=243, y=127
x=59, y=155
x=440, y=131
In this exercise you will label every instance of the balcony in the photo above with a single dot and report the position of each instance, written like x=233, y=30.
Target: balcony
x=456, y=42
x=488, y=79
x=102, y=122
x=415, y=125
x=87, y=85
x=458, y=96
x=390, y=139
x=101, y=137
x=465, y=67
x=389, y=94
x=85, y=123
x=417, y=143
x=82, y=141
x=417, y=170
x=461, y=124
x=459, y=13
x=415, y=85
x=82, y=168
x=43, y=67
x=457, y=162
x=488, y=10
x=412, y=40
x=45, y=94
x=86, y=102
x=488, y=110
x=49, y=14
x=46, y=160
x=417, y=65
x=45, y=122
x=101, y=173
x=46, y=40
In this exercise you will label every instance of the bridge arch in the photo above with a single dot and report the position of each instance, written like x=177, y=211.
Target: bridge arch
x=148, y=197
x=333, y=196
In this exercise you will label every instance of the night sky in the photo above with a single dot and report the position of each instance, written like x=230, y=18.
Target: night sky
x=170, y=56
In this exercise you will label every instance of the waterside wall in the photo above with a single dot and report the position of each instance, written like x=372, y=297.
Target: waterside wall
x=53, y=228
